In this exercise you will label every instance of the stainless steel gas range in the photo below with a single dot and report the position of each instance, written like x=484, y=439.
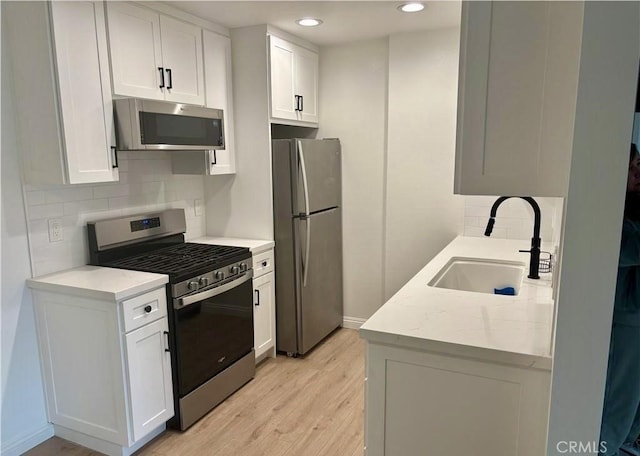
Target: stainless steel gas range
x=210, y=300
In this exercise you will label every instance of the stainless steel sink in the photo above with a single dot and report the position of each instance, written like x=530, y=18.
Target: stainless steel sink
x=479, y=275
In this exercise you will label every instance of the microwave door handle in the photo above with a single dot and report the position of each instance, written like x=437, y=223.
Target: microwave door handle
x=183, y=302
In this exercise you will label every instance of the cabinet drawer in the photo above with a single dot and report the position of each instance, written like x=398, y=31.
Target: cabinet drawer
x=263, y=263
x=143, y=309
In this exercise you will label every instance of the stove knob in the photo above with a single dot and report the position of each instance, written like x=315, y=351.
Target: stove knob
x=219, y=275
x=203, y=281
x=234, y=269
x=192, y=285
x=243, y=267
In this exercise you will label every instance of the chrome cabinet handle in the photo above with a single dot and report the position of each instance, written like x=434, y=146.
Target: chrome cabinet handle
x=257, y=292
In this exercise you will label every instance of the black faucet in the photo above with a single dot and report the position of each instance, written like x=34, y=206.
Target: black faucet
x=534, y=261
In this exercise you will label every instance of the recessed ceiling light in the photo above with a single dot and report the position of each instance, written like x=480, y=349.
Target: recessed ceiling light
x=412, y=7
x=308, y=22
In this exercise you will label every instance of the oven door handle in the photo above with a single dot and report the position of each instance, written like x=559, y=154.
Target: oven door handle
x=183, y=302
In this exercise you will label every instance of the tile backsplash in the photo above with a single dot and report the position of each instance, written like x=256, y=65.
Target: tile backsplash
x=146, y=184
x=514, y=219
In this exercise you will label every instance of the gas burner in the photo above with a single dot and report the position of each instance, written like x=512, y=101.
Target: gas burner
x=182, y=260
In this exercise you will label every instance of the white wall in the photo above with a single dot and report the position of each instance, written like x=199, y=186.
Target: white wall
x=146, y=184
x=603, y=126
x=23, y=415
x=422, y=214
x=353, y=107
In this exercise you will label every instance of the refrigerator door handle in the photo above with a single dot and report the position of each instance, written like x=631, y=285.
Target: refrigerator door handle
x=303, y=169
x=305, y=261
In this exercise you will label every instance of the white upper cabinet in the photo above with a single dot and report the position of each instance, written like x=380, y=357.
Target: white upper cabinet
x=517, y=92
x=154, y=56
x=219, y=95
x=182, y=61
x=294, y=82
x=62, y=91
x=136, y=53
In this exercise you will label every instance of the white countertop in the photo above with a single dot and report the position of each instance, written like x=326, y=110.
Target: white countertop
x=254, y=245
x=99, y=283
x=506, y=329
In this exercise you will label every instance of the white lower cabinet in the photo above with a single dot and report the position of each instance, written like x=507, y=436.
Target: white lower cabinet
x=107, y=368
x=264, y=311
x=424, y=403
x=149, y=377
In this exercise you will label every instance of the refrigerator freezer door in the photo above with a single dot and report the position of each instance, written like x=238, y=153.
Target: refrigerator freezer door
x=318, y=174
x=320, y=295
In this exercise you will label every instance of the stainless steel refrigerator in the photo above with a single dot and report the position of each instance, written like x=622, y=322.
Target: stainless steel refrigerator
x=308, y=234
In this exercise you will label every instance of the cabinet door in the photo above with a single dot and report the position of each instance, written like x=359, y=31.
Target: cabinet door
x=219, y=95
x=282, y=63
x=80, y=43
x=519, y=63
x=263, y=313
x=136, y=52
x=221, y=162
x=306, y=73
x=149, y=367
x=182, y=61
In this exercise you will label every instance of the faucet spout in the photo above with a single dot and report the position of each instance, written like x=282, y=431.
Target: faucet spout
x=534, y=261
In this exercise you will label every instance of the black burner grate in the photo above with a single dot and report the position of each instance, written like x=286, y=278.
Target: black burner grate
x=179, y=259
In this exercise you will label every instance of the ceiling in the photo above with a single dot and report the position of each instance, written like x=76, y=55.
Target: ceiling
x=344, y=21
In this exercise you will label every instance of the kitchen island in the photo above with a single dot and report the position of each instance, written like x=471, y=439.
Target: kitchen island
x=459, y=372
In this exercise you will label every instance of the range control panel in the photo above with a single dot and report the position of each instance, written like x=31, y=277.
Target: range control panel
x=145, y=224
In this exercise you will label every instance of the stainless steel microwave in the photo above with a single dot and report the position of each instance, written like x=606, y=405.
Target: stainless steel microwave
x=160, y=125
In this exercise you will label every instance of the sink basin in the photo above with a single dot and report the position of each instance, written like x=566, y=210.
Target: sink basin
x=479, y=275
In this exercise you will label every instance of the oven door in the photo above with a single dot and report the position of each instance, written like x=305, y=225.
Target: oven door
x=213, y=329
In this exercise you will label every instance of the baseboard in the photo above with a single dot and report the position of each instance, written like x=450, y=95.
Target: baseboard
x=24, y=443
x=352, y=322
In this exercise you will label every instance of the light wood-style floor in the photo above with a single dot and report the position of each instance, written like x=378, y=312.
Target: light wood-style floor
x=307, y=406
